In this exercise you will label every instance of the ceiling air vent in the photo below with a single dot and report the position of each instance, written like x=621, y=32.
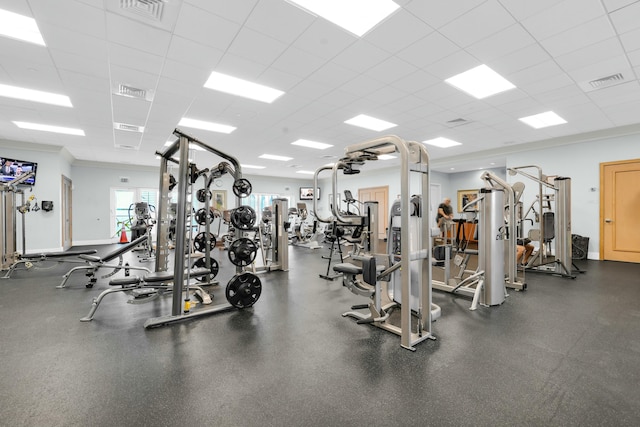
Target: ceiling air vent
x=134, y=92
x=128, y=128
x=150, y=9
x=611, y=80
x=457, y=122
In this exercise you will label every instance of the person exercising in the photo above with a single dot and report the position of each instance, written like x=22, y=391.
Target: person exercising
x=524, y=249
x=445, y=214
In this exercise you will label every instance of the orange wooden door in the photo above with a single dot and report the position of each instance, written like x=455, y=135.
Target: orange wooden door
x=620, y=211
x=380, y=195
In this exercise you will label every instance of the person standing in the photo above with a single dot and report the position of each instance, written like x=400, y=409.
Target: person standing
x=445, y=214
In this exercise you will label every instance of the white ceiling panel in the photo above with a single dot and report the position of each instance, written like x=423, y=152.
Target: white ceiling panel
x=625, y=19
x=447, y=10
x=235, y=11
x=613, y=5
x=428, y=50
x=562, y=16
x=324, y=39
x=524, y=9
x=204, y=27
x=589, y=33
x=360, y=56
x=501, y=43
x=278, y=19
x=390, y=70
x=71, y=62
x=479, y=23
x=519, y=60
x=256, y=46
x=631, y=40
x=407, y=29
x=298, y=62
x=611, y=66
x=453, y=64
x=79, y=17
x=588, y=55
x=193, y=53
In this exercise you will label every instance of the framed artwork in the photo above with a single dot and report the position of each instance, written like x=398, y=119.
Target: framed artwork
x=465, y=197
x=219, y=199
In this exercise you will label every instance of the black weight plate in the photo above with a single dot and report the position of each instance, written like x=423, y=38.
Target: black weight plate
x=243, y=290
x=242, y=187
x=200, y=242
x=202, y=263
x=243, y=217
x=242, y=252
x=201, y=216
x=202, y=193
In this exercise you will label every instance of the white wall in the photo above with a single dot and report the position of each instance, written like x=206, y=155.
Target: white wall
x=43, y=229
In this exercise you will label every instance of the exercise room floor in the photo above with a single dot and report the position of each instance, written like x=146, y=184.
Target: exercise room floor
x=563, y=353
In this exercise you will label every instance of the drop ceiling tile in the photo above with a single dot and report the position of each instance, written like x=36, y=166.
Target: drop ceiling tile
x=428, y=50
x=69, y=41
x=256, y=46
x=26, y=55
x=614, y=95
x=631, y=40
x=360, y=56
x=390, y=70
x=129, y=33
x=240, y=67
x=42, y=78
x=524, y=9
x=486, y=19
x=447, y=10
x=561, y=17
x=279, y=79
x=298, y=62
x=235, y=11
x=634, y=58
x=203, y=27
x=626, y=19
x=180, y=71
x=125, y=56
x=133, y=78
x=194, y=53
x=535, y=73
x=613, y=5
x=324, y=39
x=501, y=43
x=548, y=84
x=575, y=38
x=519, y=60
x=70, y=62
x=129, y=110
x=74, y=16
x=416, y=81
x=405, y=28
x=453, y=64
x=588, y=55
x=17, y=6
x=278, y=19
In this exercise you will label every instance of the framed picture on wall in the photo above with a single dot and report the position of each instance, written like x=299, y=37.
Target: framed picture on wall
x=307, y=193
x=465, y=197
x=219, y=199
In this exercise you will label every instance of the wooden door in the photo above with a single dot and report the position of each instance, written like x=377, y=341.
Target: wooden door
x=66, y=213
x=620, y=210
x=380, y=195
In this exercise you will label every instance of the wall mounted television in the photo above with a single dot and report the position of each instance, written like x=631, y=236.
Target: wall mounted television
x=11, y=169
x=306, y=193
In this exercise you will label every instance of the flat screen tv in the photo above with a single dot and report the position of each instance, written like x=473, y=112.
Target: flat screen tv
x=11, y=169
x=306, y=193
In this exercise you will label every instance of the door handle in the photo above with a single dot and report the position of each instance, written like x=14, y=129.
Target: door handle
x=608, y=220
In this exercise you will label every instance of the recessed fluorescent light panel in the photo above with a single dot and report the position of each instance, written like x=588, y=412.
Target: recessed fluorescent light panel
x=273, y=157
x=441, y=142
x=543, y=120
x=252, y=167
x=306, y=172
x=355, y=16
x=34, y=95
x=386, y=157
x=20, y=27
x=311, y=144
x=371, y=123
x=235, y=86
x=480, y=82
x=210, y=126
x=49, y=128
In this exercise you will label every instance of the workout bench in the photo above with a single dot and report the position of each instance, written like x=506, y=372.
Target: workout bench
x=158, y=282
x=27, y=259
x=94, y=263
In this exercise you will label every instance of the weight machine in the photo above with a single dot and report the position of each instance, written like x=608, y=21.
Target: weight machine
x=273, y=238
x=408, y=276
x=552, y=224
x=8, y=227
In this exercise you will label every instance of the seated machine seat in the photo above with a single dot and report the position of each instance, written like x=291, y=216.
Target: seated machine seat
x=156, y=277
x=46, y=255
